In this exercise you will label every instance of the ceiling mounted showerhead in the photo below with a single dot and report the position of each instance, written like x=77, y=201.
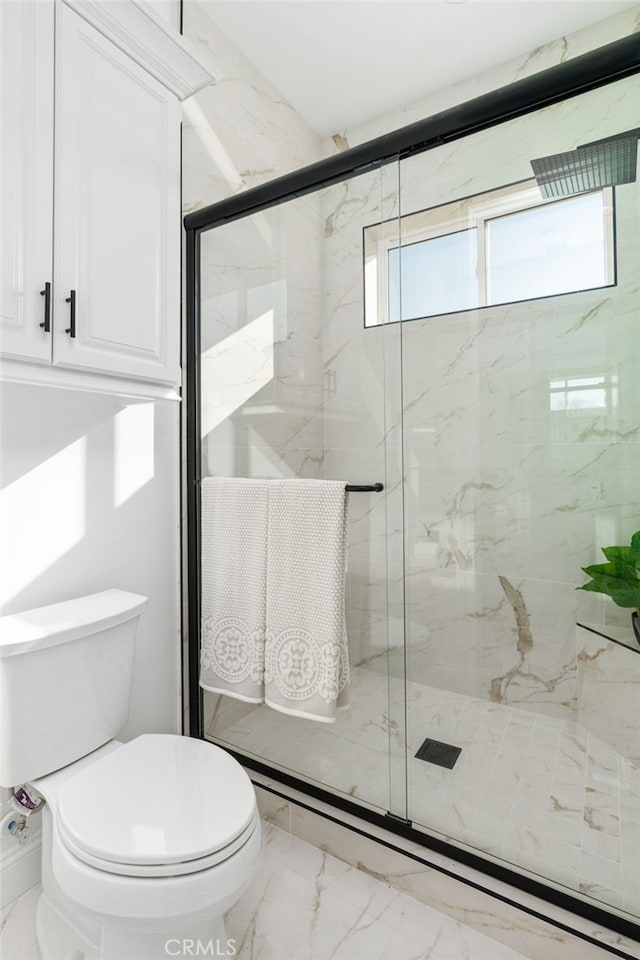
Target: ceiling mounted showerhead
x=602, y=163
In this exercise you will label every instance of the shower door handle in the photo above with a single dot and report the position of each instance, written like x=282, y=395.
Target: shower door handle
x=71, y=300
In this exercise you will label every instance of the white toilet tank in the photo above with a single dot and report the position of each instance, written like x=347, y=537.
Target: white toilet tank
x=65, y=681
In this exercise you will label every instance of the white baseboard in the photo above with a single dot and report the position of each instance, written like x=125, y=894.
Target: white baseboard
x=20, y=869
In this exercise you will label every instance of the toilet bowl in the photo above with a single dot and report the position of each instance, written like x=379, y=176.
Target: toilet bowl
x=146, y=844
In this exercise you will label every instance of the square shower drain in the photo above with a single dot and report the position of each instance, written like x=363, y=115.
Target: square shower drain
x=443, y=754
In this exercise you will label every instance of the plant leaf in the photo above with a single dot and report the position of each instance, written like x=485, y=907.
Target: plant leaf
x=635, y=547
x=622, y=592
x=616, y=569
x=625, y=554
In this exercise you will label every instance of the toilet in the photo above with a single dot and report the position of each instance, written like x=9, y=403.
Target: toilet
x=145, y=844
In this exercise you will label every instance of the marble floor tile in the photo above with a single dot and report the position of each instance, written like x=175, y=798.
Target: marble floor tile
x=304, y=904
x=17, y=928
x=548, y=779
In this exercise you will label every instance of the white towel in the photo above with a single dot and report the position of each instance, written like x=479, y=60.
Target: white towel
x=234, y=581
x=306, y=660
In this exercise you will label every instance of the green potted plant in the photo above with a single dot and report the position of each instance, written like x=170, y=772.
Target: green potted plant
x=619, y=578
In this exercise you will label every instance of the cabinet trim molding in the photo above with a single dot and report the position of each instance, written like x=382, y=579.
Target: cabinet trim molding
x=141, y=33
x=25, y=371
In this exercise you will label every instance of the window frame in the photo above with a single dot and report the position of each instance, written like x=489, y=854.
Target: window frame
x=469, y=213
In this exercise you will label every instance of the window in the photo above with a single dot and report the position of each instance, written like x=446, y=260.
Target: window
x=500, y=247
x=435, y=276
x=580, y=396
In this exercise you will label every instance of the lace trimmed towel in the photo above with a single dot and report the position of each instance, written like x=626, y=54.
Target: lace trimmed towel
x=273, y=583
x=306, y=660
x=234, y=586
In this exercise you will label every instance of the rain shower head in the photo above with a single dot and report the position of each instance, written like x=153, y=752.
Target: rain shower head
x=603, y=163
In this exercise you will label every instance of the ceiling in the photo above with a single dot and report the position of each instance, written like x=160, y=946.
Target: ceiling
x=342, y=62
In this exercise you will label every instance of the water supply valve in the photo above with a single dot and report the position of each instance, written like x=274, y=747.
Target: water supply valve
x=16, y=826
x=24, y=801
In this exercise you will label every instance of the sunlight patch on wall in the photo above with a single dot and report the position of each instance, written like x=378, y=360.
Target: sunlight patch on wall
x=133, y=450
x=235, y=369
x=42, y=516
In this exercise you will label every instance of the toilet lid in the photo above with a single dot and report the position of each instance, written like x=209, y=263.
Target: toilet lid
x=159, y=799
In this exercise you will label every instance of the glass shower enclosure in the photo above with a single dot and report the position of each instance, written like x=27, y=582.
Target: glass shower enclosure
x=456, y=323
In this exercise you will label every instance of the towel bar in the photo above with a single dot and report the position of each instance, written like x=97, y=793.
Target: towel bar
x=364, y=488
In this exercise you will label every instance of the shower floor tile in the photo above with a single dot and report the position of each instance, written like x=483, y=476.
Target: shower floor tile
x=304, y=904
x=539, y=792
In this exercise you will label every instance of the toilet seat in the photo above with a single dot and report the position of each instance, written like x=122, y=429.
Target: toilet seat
x=160, y=869
x=159, y=806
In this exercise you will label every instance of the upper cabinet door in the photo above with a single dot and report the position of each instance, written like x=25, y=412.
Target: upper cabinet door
x=117, y=210
x=26, y=176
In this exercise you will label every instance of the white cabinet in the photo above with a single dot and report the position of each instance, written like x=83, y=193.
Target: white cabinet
x=91, y=205
x=117, y=210
x=26, y=176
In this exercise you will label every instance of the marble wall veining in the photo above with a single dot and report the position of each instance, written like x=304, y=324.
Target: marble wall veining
x=465, y=603
x=505, y=499
x=362, y=414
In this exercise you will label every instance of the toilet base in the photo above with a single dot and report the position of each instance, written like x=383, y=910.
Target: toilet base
x=59, y=939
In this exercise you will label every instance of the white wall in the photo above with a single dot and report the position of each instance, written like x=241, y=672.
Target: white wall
x=90, y=501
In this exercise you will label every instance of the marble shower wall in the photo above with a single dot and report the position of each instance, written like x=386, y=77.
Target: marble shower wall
x=262, y=391
x=362, y=414
x=261, y=374
x=303, y=390
x=288, y=391
x=609, y=691
x=505, y=499
x=459, y=499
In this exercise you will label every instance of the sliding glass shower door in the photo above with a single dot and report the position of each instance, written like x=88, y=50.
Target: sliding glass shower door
x=521, y=404
x=292, y=385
